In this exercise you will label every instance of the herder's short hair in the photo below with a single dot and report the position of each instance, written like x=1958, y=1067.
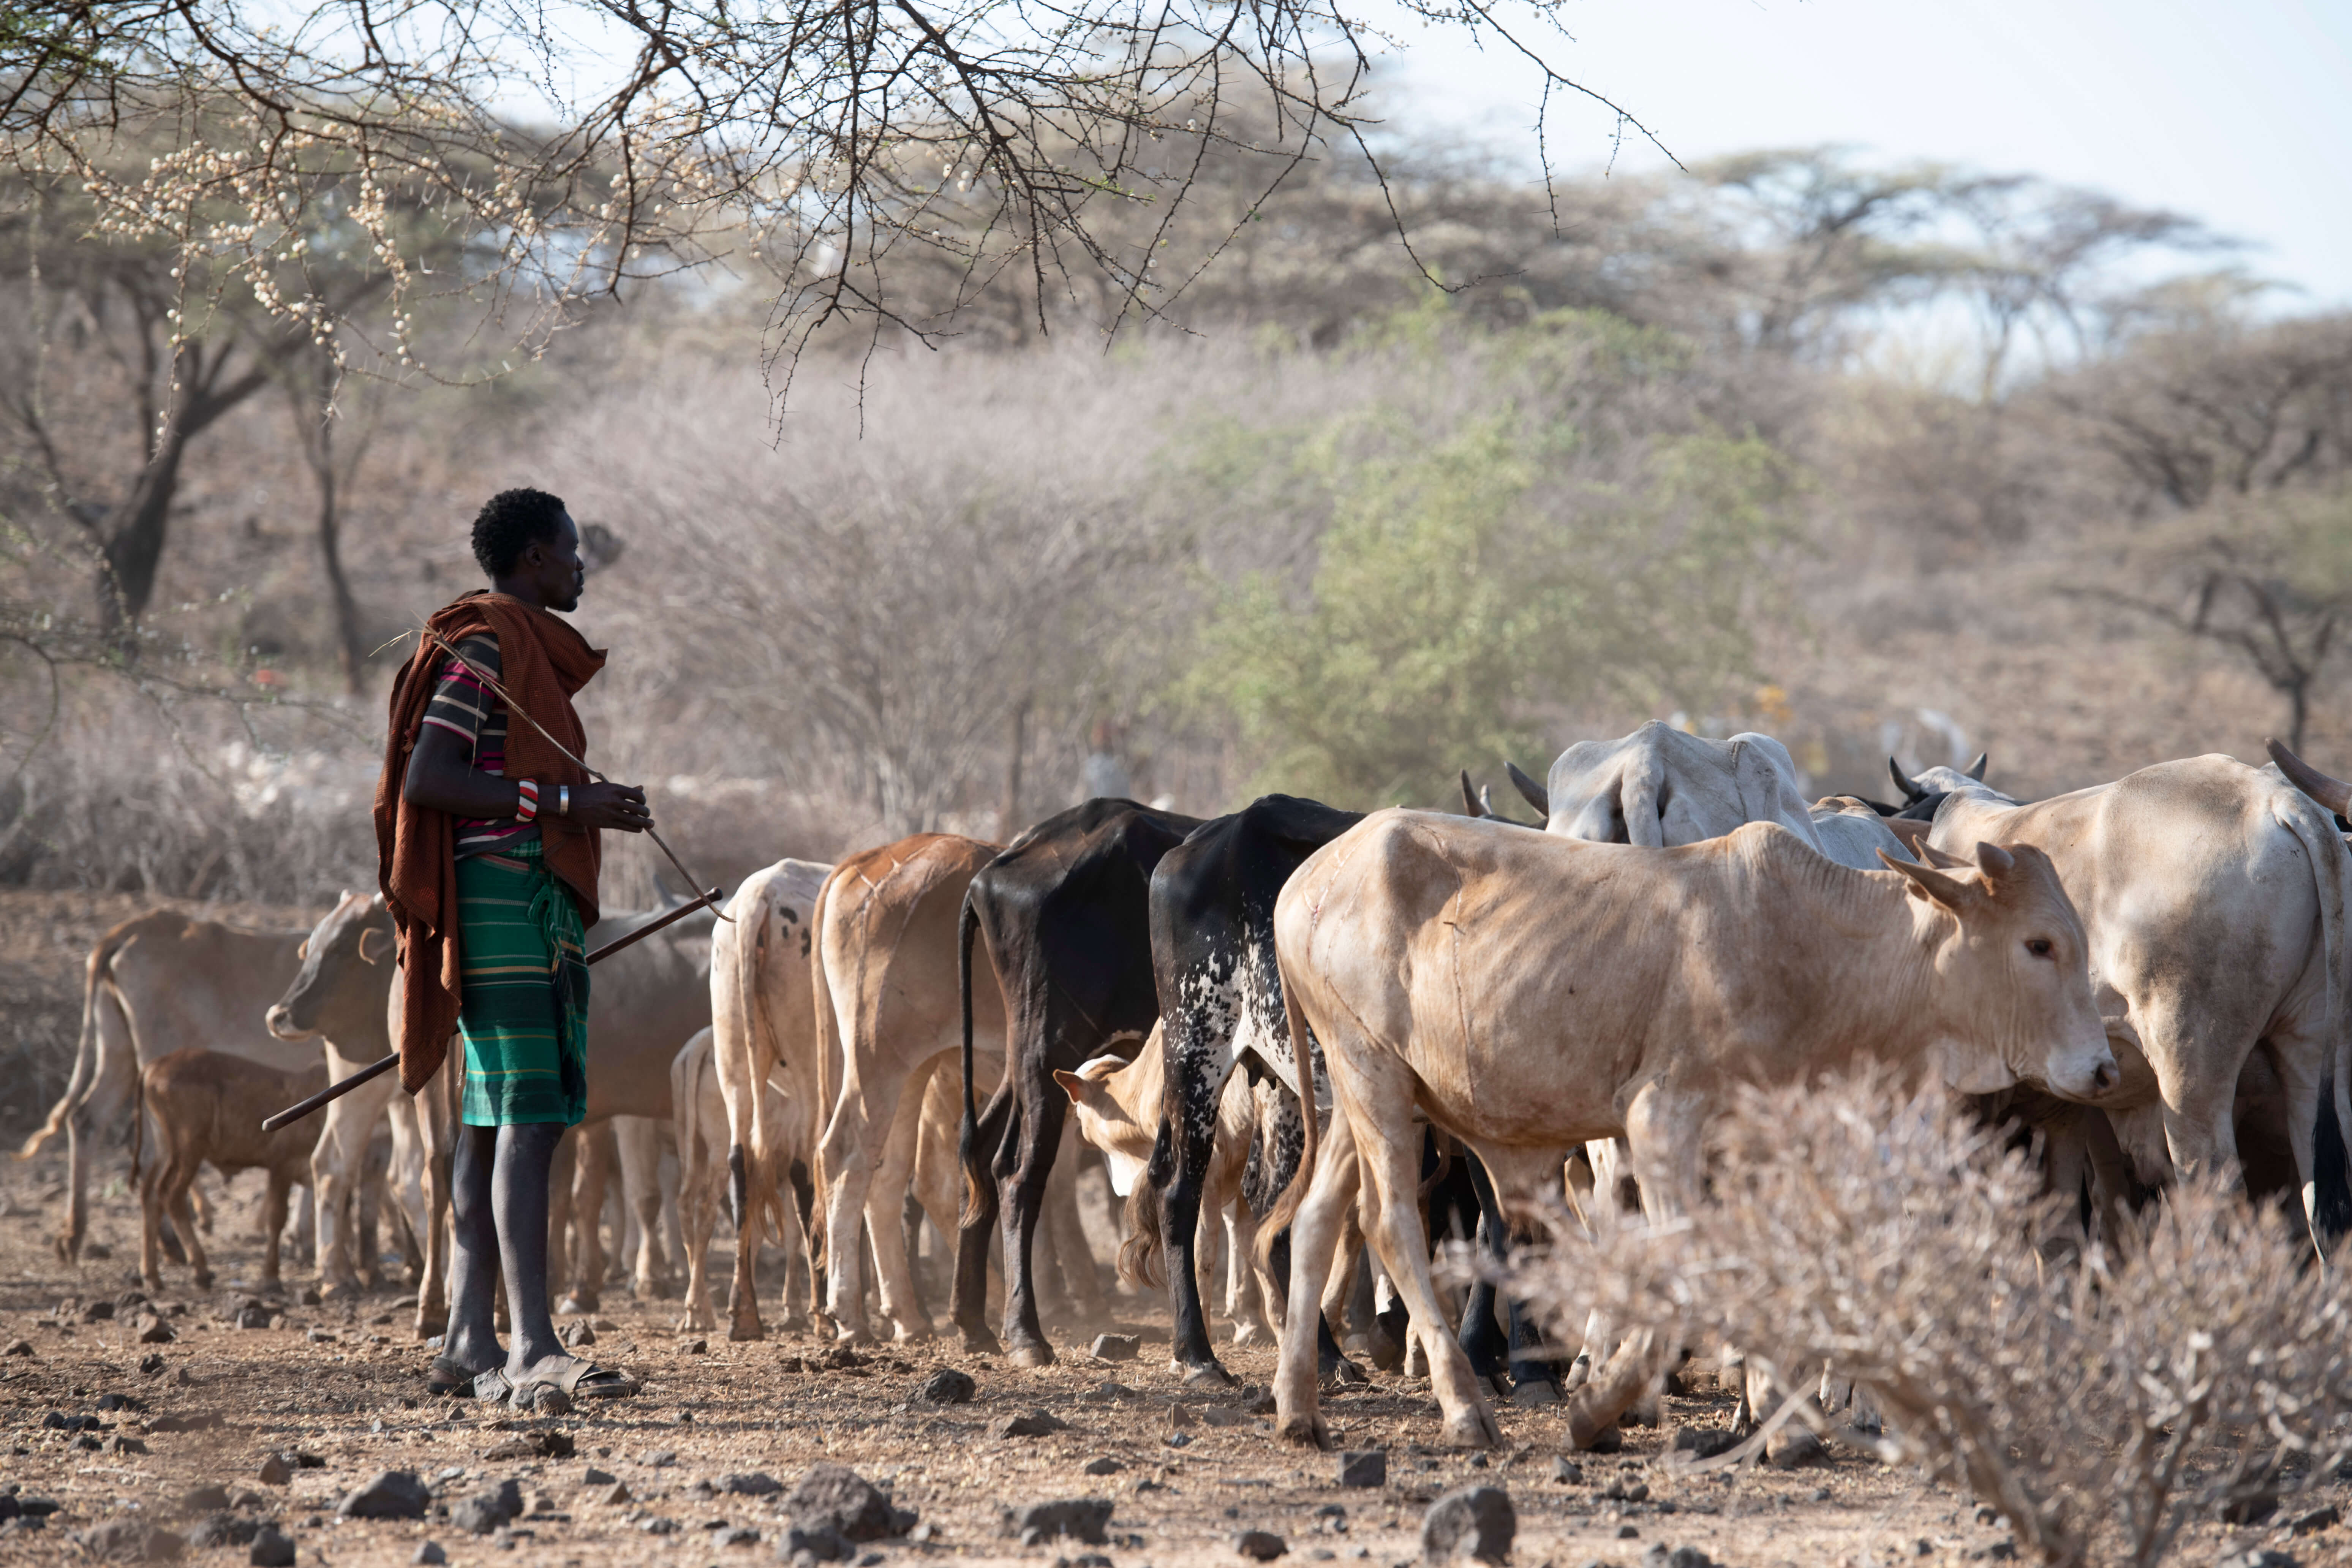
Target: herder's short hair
x=510, y=522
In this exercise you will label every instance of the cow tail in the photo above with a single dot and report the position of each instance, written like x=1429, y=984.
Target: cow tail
x=137, y=1120
x=1142, y=1255
x=85, y=1067
x=766, y=1175
x=828, y=1047
x=968, y=1131
x=1286, y=1209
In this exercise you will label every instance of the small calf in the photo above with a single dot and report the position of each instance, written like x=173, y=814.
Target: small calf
x=208, y=1108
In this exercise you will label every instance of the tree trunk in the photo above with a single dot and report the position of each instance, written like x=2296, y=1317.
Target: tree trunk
x=134, y=548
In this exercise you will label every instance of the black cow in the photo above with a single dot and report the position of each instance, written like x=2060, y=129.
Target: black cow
x=1064, y=912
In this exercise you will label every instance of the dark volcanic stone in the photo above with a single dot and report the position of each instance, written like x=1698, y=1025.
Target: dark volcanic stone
x=204, y=1499
x=1260, y=1545
x=387, y=1494
x=1365, y=1467
x=223, y=1530
x=1082, y=1518
x=945, y=1386
x=1034, y=1423
x=1476, y=1521
x=758, y=1483
x=837, y=1498
x=271, y=1549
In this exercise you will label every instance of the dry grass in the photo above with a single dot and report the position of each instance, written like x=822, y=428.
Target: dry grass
x=2102, y=1405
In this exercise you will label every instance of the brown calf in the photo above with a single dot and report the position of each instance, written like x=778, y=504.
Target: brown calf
x=208, y=1107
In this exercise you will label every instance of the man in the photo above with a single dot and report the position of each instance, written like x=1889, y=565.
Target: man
x=486, y=828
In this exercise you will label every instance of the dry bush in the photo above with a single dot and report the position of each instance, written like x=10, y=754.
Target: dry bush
x=2101, y=1407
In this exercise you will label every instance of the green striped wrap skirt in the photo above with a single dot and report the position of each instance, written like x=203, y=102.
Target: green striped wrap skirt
x=524, y=1011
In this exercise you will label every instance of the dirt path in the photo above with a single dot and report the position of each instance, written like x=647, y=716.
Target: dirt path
x=339, y=1384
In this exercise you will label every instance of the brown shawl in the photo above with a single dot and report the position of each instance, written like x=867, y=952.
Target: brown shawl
x=542, y=661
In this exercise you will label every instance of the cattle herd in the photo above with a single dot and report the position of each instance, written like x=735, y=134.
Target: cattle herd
x=1297, y=1030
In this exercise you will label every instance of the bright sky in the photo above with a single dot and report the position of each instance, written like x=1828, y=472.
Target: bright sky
x=2238, y=113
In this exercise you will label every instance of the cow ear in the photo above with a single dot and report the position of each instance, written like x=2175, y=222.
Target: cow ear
x=1928, y=882
x=302, y=952
x=366, y=957
x=1994, y=861
x=1079, y=1089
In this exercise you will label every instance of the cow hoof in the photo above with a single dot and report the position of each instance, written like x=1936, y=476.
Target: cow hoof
x=912, y=1333
x=1535, y=1393
x=1579, y=1373
x=1031, y=1356
x=1343, y=1373
x=1303, y=1432
x=1473, y=1428
x=204, y=1283
x=1208, y=1374
x=576, y=1304
x=741, y=1334
x=980, y=1342
x=1248, y=1334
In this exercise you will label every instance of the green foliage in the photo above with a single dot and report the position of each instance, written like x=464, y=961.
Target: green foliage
x=1478, y=568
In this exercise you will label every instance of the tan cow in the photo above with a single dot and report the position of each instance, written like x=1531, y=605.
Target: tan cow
x=161, y=983
x=1119, y=1107
x=889, y=1018
x=2214, y=895
x=763, y=1015
x=337, y=997
x=1527, y=992
x=207, y=1108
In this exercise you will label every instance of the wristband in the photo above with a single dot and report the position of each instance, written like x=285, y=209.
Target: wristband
x=527, y=802
x=563, y=800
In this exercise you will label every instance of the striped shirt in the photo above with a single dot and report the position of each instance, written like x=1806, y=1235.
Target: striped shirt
x=462, y=705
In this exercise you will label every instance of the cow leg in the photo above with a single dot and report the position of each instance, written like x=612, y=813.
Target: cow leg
x=1531, y=1375
x=862, y=1119
x=1196, y=1075
x=151, y=1223
x=1283, y=1147
x=1073, y=1256
x=967, y=1301
x=1392, y=1171
x=336, y=1162
x=1481, y=1339
x=374, y=1173
x=697, y=1215
x=799, y=1240
x=886, y=1210
x=587, y=1226
x=1314, y=1232
x=1024, y=1164
x=747, y=1210
x=176, y=1203
x=640, y=1139
x=273, y=1226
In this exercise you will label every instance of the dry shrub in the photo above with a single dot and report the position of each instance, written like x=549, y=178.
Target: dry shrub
x=2102, y=1405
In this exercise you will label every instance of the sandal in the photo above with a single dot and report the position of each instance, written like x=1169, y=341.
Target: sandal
x=573, y=1377
x=447, y=1377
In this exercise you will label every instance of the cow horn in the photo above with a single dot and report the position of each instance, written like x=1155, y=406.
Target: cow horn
x=1976, y=769
x=1469, y=797
x=1946, y=890
x=1993, y=860
x=1903, y=781
x=1942, y=859
x=1535, y=794
x=2332, y=792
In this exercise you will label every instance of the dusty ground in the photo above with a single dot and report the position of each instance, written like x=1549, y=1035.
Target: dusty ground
x=343, y=1383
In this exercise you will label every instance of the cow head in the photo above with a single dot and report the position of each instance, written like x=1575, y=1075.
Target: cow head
x=346, y=970
x=1105, y=1093
x=2013, y=978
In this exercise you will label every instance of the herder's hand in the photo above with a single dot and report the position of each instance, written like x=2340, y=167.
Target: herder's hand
x=620, y=807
